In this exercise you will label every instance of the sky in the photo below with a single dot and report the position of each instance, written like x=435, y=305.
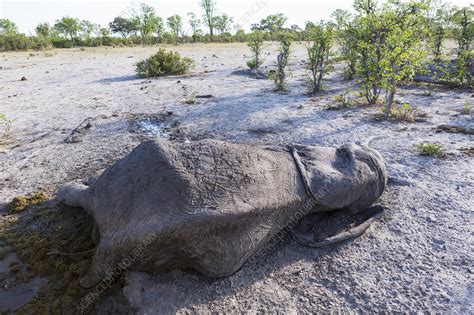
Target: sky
x=29, y=13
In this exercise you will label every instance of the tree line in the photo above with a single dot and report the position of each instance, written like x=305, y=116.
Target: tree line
x=142, y=26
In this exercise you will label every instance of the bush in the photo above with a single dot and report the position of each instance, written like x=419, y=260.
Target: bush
x=254, y=64
x=5, y=125
x=282, y=62
x=401, y=113
x=319, y=46
x=256, y=45
x=163, y=63
x=39, y=43
x=431, y=149
x=467, y=108
x=343, y=101
x=13, y=41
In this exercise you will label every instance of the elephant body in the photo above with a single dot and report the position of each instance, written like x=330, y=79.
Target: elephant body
x=209, y=205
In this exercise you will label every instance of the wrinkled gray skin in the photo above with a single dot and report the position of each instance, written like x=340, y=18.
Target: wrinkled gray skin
x=210, y=205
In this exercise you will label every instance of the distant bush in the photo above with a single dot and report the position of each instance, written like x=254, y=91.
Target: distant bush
x=13, y=41
x=163, y=63
x=431, y=149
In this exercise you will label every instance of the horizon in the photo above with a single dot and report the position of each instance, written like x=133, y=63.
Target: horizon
x=28, y=14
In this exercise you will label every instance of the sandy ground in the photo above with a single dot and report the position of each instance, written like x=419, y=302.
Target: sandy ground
x=417, y=257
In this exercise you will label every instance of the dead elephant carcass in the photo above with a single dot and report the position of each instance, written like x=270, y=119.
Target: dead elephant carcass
x=210, y=205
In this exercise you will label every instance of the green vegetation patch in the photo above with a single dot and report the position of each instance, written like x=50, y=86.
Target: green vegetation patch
x=163, y=63
x=431, y=149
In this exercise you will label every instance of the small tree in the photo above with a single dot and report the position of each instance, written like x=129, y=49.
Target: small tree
x=68, y=27
x=255, y=42
x=44, y=29
x=209, y=7
x=222, y=23
x=320, y=39
x=123, y=26
x=147, y=20
x=273, y=23
x=347, y=41
x=282, y=61
x=7, y=27
x=87, y=28
x=391, y=47
x=194, y=22
x=439, y=19
x=175, y=23
x=464, y=34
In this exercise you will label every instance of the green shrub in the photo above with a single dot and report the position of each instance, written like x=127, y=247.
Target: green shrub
x=254, y=64
x=467, y=108
x=191, y=100
x=319, y=45
x=255, y=44
x=431, y=149
x=401, y=113
x=343, y=101
x=5, y=125
x=164, y=63
x=279, y=77
x=39, y=43
x=13, y=41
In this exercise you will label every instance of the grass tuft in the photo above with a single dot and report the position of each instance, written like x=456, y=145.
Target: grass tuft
x=431, y=149
x=467, y=108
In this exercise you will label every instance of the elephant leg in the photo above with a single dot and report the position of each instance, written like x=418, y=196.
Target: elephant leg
x=103, y=269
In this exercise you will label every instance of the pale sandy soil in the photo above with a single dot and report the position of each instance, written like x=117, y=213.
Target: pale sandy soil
x=417, y=257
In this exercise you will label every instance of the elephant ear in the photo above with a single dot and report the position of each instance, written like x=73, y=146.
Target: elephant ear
x=323, y=229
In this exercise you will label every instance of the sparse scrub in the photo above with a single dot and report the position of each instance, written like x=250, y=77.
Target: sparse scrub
x=190, y=100
x=255, y=43
x=400, y=113
x=163, y=63
x=279, y=77
x=431, y=149
x=467, y=108
x=343, y=101
x=48, y=54
x=319, y=46
x=5, y=125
